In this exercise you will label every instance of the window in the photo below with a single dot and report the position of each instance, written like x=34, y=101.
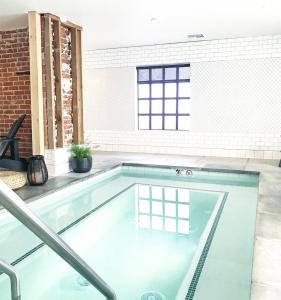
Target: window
x=164, y=97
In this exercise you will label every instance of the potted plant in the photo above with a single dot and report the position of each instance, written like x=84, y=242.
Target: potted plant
x=81, y=158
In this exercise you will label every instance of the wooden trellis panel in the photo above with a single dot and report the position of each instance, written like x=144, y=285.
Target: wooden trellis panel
x=37, y=111
x=77, y=88
x=50, y=83
x=55, y=116
x=58, y=83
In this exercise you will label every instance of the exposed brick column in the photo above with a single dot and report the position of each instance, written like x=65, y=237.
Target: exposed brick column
x=67, y=84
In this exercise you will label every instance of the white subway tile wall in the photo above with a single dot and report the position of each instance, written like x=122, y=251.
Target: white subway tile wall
x=57, y=161
x=214, y=50
x=250, y=145
x=188, y=143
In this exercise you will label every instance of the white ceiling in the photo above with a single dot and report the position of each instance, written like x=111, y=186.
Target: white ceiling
x=113, y=23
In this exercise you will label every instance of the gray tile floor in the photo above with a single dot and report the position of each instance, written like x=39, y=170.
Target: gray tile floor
x=266, y=279
x=31, y=193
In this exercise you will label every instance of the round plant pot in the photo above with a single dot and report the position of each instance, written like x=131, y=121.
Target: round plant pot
x=81, y=165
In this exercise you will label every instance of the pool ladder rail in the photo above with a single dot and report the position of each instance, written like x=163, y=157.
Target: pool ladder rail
x=14, y=278
x=16, y=206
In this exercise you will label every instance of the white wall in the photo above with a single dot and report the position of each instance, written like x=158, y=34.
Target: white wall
x=236, y=93
x=238, y=96
x=109, y=98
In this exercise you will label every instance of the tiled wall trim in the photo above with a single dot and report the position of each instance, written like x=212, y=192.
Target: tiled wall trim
x=188, y=143
x=265, y=146
x=214, y=50
x=57, y=161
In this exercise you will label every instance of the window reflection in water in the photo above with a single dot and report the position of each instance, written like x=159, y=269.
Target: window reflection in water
x=163, y=208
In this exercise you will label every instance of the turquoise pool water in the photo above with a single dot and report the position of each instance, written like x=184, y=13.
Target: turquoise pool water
x=144, y=230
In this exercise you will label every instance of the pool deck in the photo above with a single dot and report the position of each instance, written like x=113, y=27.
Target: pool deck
x=266, y=278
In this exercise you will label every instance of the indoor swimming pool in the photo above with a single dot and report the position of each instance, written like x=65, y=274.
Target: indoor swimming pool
x=151, y=233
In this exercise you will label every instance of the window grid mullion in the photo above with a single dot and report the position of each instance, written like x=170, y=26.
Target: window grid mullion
x=163, y=99
x=138, y=88
x=150, y=94
x=160, y=114
x=163, y=80
x=150, y=82
x=167, y=98
x=177, y=98
x=166, y=66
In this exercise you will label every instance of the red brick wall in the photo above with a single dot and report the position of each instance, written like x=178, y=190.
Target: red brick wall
x=67, y=84
x=15, y=98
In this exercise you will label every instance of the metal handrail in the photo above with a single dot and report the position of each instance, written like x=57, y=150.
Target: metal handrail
x=16, y=206
x=14, y=278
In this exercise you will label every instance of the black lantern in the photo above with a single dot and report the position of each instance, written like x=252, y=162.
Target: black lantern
x=37, y=173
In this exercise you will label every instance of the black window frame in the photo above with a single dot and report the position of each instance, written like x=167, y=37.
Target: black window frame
x=163, y=81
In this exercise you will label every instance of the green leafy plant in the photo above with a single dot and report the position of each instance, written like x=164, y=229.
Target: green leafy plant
x=80, y=151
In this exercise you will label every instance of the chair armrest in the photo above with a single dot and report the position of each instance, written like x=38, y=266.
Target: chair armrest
x=8, y=140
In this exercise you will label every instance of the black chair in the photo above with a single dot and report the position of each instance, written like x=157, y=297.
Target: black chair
x=10, y=142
